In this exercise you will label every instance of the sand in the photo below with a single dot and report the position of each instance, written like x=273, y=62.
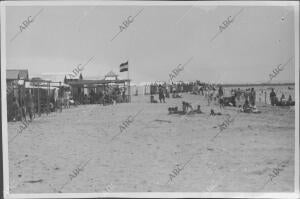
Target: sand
x=142, y=157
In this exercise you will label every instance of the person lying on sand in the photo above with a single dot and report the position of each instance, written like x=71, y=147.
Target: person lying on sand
x=173, y=110
x=248, y=109
x=212, y=113
x=186, y=109
x=175, y=95
x=197, y=111
x=186, y=106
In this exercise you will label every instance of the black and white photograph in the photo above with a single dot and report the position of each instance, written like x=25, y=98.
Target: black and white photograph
x=150, y=99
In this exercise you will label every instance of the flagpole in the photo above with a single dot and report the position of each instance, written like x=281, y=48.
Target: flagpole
x=129, y=97
x=128, y=70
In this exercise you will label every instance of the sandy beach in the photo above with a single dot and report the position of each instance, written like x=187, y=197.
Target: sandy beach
x=142, y=157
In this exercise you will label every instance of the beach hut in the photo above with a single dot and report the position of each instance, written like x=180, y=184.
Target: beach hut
x=46, y=92
x=100, y=91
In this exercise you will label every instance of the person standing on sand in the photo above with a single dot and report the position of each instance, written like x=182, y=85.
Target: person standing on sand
x=220, y=92
x=273, y=97
x=220, y=95
x=29, y=104
x=123, y=95
x=67, y=99
x=252, y=97
x=260, y=95
x=101, y=98
x=290, y=99
x=238, y=95
x=161, y=95
x=209, y=96
x=246, y=94
x=265, y=97
x=22, y=107
x=283, y=100
x=15, y=110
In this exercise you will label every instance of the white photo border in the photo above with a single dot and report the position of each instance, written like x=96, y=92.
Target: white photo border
x=294, y=194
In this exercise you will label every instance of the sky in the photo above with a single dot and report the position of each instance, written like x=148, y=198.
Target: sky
x=157, y=40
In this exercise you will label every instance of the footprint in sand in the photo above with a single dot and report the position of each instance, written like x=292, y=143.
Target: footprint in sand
x=210, y=149
x=269, y=162
x=260, y=172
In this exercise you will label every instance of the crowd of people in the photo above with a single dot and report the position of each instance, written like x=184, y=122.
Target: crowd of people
x=282, y=102
x=246, y=98
x=249, y=96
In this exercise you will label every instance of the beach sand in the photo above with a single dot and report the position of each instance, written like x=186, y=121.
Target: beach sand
x=142, y=157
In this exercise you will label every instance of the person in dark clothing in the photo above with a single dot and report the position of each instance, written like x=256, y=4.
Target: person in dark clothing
x=15, y=110
x=212, y=113
x=220, y=92
x=22, y=108
x=123, y=96
x=161, y=95
x=273, y=97
x=246, y=105
x=92, y=94
x=29, y=104
x=252, y=97
x=290, y=98
x=283, y=100
x=238, y=94
x=290, y=101
x=100, y=96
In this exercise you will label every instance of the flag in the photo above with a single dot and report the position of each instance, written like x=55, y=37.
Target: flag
x=124, y=67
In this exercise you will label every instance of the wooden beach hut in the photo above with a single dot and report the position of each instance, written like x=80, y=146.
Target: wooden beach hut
x=94, y=91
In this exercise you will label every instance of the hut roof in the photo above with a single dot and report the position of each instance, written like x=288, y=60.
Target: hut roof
x=99, y=82
x=111, y=74
x=13, y=74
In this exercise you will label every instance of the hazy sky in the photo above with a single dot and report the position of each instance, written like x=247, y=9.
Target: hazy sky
x=159, y=38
